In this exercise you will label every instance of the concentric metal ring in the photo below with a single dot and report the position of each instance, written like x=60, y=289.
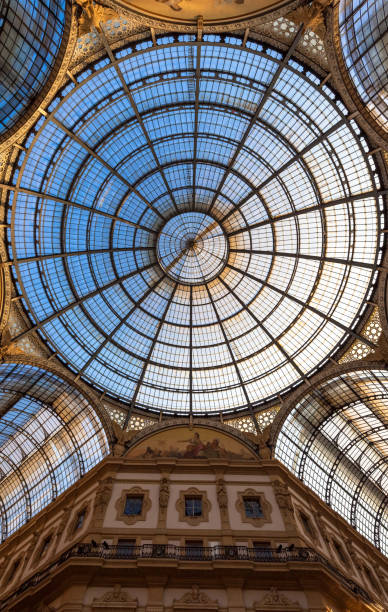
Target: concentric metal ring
x=249, y=139
x=192, y=248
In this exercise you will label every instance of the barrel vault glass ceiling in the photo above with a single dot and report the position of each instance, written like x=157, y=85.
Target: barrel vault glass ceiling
x=336, y=441
x=31, y=34
x=195, y=226
x=364, y=41
x=50, y=436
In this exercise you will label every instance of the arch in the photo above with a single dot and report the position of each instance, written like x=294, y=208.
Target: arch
x=202, y=424
x=334, y=437
x=51, y=434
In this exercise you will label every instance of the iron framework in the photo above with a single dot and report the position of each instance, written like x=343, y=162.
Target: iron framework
x=335, y=439
x=50, y=436
x=225, y=126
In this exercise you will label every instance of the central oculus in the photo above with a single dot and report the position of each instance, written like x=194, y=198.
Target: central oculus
x=192, y=248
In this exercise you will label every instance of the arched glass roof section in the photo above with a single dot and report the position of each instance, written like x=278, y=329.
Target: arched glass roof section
x=364, y=40
x=31, y=33
x=50, y=436
x=195, y=227
x=336, y=441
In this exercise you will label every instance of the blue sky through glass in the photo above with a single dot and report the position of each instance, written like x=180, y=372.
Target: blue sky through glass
x=283, y=174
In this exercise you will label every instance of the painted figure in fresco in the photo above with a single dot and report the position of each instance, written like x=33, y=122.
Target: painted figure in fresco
x=195, y=447
x=173, y=4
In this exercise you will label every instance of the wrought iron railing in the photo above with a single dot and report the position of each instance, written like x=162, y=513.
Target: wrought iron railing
x=190, y=553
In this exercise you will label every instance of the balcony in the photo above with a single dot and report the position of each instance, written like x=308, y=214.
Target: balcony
x=191, y=554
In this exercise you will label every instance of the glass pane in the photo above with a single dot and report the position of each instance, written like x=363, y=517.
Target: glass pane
x=253, y=507
x=133, y=505
x=193, y=506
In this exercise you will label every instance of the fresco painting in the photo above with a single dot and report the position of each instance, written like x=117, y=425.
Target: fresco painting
x=185, y=443
x=211, y=10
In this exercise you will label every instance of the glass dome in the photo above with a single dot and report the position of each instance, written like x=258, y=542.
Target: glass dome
x=31, y=33
x=336, y=440
x=196, y=227
x=50, y=436
x=364, y=41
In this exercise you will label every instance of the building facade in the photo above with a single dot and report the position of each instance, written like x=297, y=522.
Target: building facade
x=190, y=519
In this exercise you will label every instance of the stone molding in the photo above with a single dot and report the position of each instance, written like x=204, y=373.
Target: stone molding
x=134, y=518
x=265, y=506
x=180, y=506
x=229, y=25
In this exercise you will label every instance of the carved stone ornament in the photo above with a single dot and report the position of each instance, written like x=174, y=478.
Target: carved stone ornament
x=312, y=16
x=114, y=600
x=222, y=496
x=263, y=441
x=164, y=495
x=122, y=439
x=101, y=501
x=92, y=15
x=194, y=600
x=277, y=602
x=284, y=501
x=131, y=519
x=72, y=531
x=10, y=349
x=63, y=520
x=311, y=531
x=264, y=503
x=180, y=506
x=322, y=527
